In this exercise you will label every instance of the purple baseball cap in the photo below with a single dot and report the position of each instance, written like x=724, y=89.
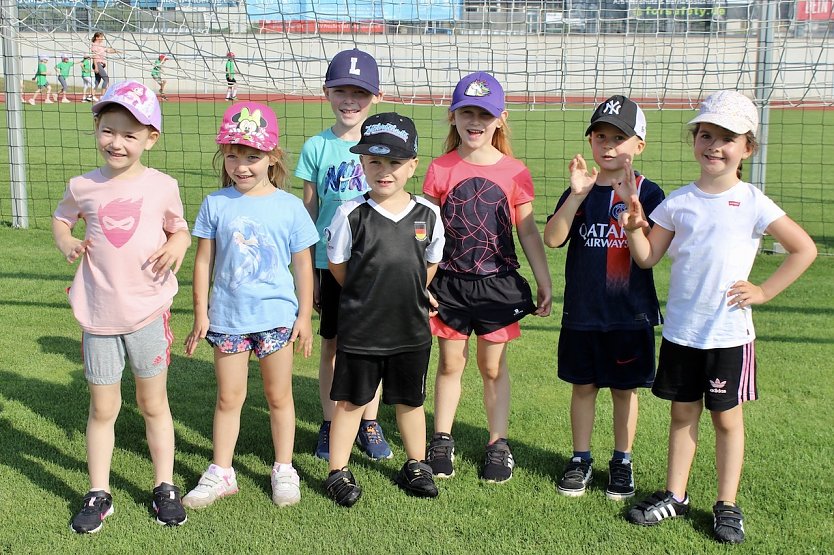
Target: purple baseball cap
x=249, y=124
x=479, y=89
x=137, y=98
x=353, y=67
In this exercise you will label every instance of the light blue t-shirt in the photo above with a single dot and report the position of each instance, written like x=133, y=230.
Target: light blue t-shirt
x=255, y=238
x=327, y=161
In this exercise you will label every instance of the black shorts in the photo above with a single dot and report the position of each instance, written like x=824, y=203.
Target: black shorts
x=403, y=375
x=230, y=81
x=619, y=359
x=723, y=378
x=482, y=305
x=329, y=293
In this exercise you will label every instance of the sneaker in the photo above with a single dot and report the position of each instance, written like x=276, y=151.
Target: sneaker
x=212, y=486
x=98, y=505
x=372, y=441
x=657, y=507
x=168, y=506
x=576, y=477
x=323, y=444
x=728, y=522
x=440, y=455
x=499, y=463
x=416, y=478
x=285, y=487
x=47, y=101
x=620, y=480
x=94, y=98
x=341, y=487
x=65, y=100
x=31, y=101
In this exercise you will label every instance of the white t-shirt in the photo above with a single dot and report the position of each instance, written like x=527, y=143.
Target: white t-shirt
x=715, y=243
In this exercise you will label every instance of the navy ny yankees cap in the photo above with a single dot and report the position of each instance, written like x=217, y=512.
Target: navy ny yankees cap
x=389, y=135
x=623, y=113
x=353, y=67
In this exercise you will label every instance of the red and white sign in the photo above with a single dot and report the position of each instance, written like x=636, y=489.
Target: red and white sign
x=815, y=10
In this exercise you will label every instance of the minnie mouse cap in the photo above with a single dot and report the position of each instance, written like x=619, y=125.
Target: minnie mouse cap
x=249, y=124
x=137, y=98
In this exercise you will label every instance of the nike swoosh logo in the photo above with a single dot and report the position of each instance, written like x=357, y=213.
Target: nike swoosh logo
x=626, y=361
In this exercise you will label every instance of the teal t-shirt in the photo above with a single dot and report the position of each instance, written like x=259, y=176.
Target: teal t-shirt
x=327, y=161
x=230, y=68
x=156, y=71
x=64, y=68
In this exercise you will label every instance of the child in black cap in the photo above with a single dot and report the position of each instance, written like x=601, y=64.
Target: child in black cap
x=383, y=248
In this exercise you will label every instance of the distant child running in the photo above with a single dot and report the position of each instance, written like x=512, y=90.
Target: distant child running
x=483, y=192
x=610, y=304
x=383, y=248
x=711, y=229
x=87, y=78
x=156, y=74
x=231, y=82
x=41, y=82
x=134, y=243
x=245, y=300
x=333, y=175
x=64, y=68
x=100, y=52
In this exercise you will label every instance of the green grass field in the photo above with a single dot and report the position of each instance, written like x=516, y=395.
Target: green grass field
x=787, y=492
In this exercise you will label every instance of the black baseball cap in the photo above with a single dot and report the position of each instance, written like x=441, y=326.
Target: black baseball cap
x=353, y=67
x=621, y=112
x=389, y=135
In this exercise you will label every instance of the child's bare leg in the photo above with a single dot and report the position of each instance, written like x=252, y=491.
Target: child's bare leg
x=152, y=400
x=729, y=451
x=346, y=417
x=452, y=361
x=492, y=362
x=625, y=418
x=231, y=371
x=412, y=424
x=276, y=371
x=583, y=401
x=683, y=439
x=105, y=402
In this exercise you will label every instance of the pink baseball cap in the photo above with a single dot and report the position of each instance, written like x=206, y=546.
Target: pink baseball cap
x=137, y=98
x=249, y=124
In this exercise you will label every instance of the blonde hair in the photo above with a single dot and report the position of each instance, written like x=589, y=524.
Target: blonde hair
x=752, y=142
x=277, y=173
x=500, y=139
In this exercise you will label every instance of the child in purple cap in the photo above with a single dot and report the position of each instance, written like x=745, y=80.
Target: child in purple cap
x=483, y=192
x=333, y=175
x=135, y=240
x=249, y=232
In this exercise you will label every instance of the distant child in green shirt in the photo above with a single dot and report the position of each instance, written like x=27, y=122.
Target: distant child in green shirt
x=87, y=78
x=156, y=73
x=41, y=82
x=231, y=83
x=64, y=68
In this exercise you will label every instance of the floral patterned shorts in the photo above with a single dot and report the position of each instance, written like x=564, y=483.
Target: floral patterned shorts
x=262, y=342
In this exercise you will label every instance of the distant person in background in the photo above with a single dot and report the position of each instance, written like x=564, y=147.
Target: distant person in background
x=41, y=83
x=231, y=83
x=87, y=78
x=100, y=52
x=156, y=73
x=64, y=67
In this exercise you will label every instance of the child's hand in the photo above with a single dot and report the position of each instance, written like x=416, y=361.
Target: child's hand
x=743, y=294
x=626, y=188
x=170, y=255
x=433, y=304
x=74, y=248
x=632, y=218
x=302, y=336
x=198, y=333
x=581, y=182
x=544, y=301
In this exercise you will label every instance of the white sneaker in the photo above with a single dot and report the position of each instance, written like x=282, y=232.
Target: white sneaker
x=213, y=485
x=48, y=102
x=31, y=101
x=65, y=100
x=285, y=487
x=95, y=98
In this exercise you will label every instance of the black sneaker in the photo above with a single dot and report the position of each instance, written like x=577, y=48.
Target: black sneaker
x=98, y=505
x=576, y=477
x=415, y=477
x=728, y=523
x=620, y=480
x=657, y=507
x=440, y=455
x=499, y=463
x=167, y=505
x=341, y=487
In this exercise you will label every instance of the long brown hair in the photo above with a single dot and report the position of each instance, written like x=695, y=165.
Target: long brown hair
x=751, y=142
x=277, y=173
x=500, y=140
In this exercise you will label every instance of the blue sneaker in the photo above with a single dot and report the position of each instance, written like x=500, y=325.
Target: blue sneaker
x=372, y=441
x=323, y=443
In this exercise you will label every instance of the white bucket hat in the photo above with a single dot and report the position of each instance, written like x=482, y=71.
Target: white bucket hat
x=730, y=110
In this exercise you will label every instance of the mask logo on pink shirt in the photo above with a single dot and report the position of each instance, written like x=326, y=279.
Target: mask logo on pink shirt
x=119, y=219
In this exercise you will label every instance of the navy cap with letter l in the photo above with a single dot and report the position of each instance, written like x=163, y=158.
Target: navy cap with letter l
x=623, y=113
x=353, y=67
x=389, y=135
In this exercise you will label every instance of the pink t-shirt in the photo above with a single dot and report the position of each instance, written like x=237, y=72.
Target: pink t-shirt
x=99, y=52
x=115, y=290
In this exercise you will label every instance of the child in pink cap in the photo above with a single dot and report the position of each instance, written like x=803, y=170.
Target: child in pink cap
x=245, y=298
x=135, y=240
